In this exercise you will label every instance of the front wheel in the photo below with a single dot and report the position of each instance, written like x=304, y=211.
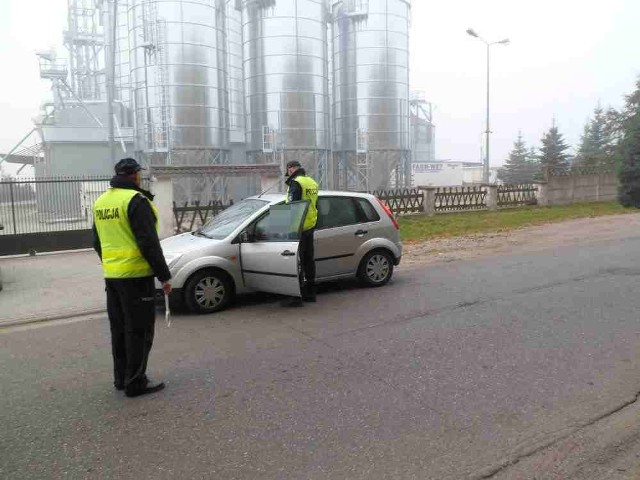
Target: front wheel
x=376, y=268
x=208, y=291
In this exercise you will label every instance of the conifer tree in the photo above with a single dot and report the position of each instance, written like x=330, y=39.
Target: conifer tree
x=553, y=152
x=594, y=150
x=629, y=152
x=521, y=166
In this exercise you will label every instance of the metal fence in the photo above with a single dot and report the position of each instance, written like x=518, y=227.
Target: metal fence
x=48, y=205
x=195, y=215
x=577, y=170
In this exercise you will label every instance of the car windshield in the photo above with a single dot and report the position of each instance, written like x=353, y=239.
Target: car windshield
x=222, y=225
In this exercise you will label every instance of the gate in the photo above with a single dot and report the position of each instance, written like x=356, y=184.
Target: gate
x=44, y=215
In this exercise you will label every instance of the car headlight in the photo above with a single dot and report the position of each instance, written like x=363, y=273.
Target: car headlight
x=172, y=259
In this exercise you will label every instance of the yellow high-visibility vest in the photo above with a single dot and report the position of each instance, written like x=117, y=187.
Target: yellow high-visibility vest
x=121, y=256
x=310, y=194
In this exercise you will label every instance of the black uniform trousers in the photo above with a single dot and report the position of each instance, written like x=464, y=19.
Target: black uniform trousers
x=308, y=261
x=132, y=315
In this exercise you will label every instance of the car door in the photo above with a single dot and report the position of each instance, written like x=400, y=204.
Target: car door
x=339, y=234
x=269, y=251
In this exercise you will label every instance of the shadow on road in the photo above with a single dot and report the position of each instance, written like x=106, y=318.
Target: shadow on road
x=261, y=298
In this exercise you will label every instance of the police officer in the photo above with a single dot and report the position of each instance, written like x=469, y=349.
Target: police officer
x=125, y=233
x=302, y=187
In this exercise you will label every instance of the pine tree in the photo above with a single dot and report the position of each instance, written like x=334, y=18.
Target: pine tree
x=629, y=151
x=520, y=167
x=553, y=154
x=614, y=120
x=594, y=151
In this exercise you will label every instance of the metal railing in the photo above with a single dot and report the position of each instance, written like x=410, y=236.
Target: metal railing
x=196, y=214
x=43, y=205
x=48, y=205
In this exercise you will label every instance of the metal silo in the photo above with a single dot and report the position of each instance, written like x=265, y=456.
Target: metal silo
x=235, y=71
x=286, y=82
x=179, y=80
x=122, y=59
x=123, y=106
x=371, y=93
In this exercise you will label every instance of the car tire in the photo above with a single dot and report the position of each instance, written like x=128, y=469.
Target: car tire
x=376, y=268
x=208, y=291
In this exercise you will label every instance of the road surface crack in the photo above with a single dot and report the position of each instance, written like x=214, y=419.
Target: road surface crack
x=509, y=462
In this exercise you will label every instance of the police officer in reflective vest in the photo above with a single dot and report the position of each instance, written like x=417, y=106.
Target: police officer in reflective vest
x=125, y=233
x=302, y=187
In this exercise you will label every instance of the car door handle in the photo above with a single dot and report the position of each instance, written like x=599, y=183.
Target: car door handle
x=361, y=233
x=288, y=253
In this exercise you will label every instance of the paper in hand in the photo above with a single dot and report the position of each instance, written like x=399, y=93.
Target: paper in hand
x=167, y=311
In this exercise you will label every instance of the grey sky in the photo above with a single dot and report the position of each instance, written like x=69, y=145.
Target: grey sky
x=565, y=57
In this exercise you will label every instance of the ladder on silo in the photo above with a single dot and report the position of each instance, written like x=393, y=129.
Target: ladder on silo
x=163, y=90
x=155, y=33
x=362, y=159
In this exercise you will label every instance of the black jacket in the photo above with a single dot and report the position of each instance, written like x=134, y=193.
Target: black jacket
x=295, y=190
x=143, y=224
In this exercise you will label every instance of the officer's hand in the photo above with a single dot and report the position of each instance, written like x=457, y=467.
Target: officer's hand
x=166, y=288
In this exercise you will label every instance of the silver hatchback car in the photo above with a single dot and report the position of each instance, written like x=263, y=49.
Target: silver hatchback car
x=253, y=246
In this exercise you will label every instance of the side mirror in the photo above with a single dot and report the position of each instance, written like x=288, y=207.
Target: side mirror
x=244, y=237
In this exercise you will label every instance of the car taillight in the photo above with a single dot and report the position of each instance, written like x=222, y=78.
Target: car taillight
x=388, y=211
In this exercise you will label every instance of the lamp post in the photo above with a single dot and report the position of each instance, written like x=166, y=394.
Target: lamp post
x=473, y=33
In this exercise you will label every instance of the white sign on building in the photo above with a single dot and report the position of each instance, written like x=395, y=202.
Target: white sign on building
x=445, y=174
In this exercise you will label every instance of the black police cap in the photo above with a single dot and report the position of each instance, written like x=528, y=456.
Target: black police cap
x=127, y=166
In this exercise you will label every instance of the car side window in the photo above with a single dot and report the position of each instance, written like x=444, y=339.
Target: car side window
x=367, y=211
x=336, y=212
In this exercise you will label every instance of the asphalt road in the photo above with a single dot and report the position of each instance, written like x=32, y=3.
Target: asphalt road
x=468, y=369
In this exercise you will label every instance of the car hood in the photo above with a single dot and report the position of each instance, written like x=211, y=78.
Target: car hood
x=185, y=242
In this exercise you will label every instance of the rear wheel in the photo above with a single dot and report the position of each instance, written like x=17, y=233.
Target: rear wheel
x=208, y=291
x=376, y=268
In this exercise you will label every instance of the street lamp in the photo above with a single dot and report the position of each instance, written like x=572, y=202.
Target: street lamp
x=473, y=33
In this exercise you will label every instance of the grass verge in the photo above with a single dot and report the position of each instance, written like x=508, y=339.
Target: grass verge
x=420, y=228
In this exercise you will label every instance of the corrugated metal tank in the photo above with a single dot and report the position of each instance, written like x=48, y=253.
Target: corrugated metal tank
x=122, y=59
x=371, y=91
x=286, y=82
x=235, y=71
x=179, y=79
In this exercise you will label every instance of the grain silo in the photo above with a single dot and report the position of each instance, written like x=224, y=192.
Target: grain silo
x=287, y=83
x=179, y=82
x=371, y=93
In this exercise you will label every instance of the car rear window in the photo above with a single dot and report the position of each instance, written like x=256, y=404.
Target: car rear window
x=368, y=212
x=336, y=212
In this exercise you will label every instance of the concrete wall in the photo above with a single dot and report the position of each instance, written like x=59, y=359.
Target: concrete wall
x=564, y=190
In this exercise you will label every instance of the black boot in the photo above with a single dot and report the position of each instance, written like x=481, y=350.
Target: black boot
x=143, y=387
x=309, y=293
